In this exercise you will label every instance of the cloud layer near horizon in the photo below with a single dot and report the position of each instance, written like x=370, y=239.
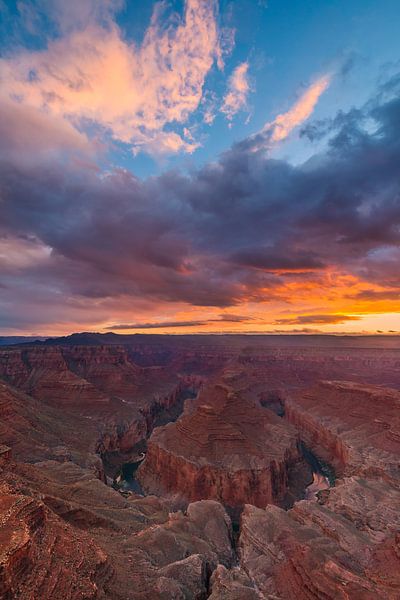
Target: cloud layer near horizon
x=247, y=232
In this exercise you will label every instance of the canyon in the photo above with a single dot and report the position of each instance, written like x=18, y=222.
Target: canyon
x=222, y=467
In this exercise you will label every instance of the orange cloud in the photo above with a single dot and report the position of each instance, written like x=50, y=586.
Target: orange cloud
x=92, y=73
x=317, y=319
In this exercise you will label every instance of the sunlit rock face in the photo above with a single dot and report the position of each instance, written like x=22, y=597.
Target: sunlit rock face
x=222, y=448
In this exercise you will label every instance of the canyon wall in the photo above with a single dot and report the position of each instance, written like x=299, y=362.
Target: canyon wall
x=65, y=535
x=355, y=427
x=222, y=448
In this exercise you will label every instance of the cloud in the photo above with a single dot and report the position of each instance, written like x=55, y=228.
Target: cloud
x=273, y=259
x=246, y=231
x=21, y=253
x=283, y=124
x=280, y=128
x=316, y=319
x=225, y=318
x=78, y=14
x=160, y=325
x=90, y=74
x=29, y=135
x=238, y=89
x=374, y=295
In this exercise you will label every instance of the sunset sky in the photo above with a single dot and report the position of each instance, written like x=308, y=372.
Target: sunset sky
x=199, y=166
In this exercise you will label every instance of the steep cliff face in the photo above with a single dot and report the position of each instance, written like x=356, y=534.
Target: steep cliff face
x=65, y=536
x=43, y=373
x=122, y=435
x=354, y=426
x=222, y=448
x=108, y=368
x=36, y=431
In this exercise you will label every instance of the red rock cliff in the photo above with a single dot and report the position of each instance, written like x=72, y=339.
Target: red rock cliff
x=221, y=448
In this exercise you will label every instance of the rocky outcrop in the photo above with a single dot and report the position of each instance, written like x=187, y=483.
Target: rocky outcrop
x=317, y=551
x=356, y=427
x=124, y=549
x=232, y=584
x=108, y=368
x=35, y=432
x=65, y=535
x=43, y=557
x=123, y=436
x=221, y=448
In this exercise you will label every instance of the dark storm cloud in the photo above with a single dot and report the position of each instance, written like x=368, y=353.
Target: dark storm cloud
x=215, y=237
x=374, y=295
x=273, y=260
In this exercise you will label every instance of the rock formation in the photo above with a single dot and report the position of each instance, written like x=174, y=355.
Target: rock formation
x=43, y=557
x=65, y=535
x=356, y=427
x=315, y=551
x=102, y=545
x=222, y=448
x=43, y=373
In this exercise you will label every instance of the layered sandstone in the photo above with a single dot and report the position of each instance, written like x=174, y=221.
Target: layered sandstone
x=65, y=535
x=43, y=557
x=356, y=427
x=222, y=448
x=318, y=551
x=36, y=431
x=43, y=373
x=102, y=545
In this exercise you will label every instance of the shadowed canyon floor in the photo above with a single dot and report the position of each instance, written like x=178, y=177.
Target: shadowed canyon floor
x=271, y=469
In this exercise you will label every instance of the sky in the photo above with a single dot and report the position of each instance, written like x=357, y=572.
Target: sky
x=199, y=166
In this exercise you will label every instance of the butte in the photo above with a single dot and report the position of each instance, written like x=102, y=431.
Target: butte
x=223, y=448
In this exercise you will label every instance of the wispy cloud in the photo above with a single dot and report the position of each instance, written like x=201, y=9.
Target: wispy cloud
x=238, y=89
x=90, y=73
x=224, y=318
x=279, y=129
x=284, y=123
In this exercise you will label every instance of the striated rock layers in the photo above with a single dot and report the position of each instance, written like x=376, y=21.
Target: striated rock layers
x=37, y=432
x=43, y=557
x=346, y=549
x=222, y=448
x=66, y=536
x=353, y=426
x=44, y=374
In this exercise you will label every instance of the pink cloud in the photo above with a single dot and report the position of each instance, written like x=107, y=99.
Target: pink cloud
x=238, y=89
x=284, y=123
x=92, y=73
